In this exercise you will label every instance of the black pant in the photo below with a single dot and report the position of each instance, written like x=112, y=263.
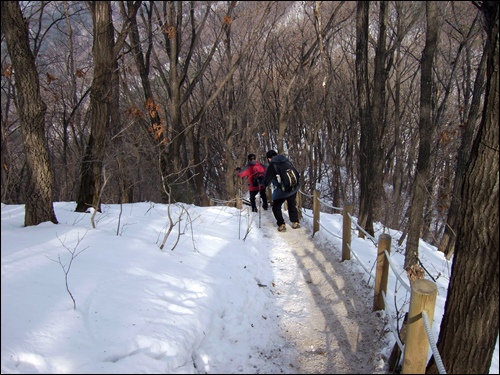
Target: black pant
x=293, y=213
x=263, y=196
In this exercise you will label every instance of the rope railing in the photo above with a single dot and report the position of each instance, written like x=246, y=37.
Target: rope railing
x=370, y=237
x=306, y=195
x=391, y=324
x=330, y=206
x=423, y=292
x=306, y=214
x=333, y=234
x=221, y=202
x=359, y=261
x=432, y=342
x=393, y=267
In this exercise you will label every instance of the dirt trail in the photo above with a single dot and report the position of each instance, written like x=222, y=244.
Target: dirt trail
x=326, y=306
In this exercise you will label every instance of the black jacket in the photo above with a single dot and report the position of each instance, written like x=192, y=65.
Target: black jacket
x=271, y=178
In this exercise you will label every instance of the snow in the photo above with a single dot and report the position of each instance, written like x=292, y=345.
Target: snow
x=226, y=294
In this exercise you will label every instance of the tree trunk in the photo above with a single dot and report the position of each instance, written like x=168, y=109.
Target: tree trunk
x=173, y=32
x=103, y=100
x=101, y=93
x=470, y=324
x=200, y=199
x=425, y=131
x=229, y=131
x=31, y=108
x=447, y=244
x=378, y=117
x=397, y=178
x=367, y=132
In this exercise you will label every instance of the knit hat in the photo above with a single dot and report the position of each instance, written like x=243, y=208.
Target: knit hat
x=271, y=153
x=251, y=157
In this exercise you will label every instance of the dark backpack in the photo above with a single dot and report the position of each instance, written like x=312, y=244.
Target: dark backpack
x=258, y=175
x=286, y=175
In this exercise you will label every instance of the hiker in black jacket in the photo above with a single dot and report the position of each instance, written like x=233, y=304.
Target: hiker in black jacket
x=279, y=196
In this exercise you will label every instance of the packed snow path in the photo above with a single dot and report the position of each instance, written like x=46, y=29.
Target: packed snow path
x=326, y=308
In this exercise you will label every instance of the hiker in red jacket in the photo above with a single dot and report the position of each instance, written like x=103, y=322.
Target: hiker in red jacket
x=254, y=172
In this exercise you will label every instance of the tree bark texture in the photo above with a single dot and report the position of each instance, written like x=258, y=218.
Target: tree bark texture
x=447, y=244
x=366, y=138
x=470, y=324
x=101, y=100
x=31, y=108
x=378, y=114
x=426, y=132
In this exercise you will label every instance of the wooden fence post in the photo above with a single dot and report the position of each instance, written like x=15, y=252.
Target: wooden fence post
x=381, y=272
x=423, y=298
x=316, y=208
x=346, y=232
x=239, y=203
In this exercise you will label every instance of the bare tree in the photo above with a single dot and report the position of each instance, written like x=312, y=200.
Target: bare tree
x=447, y=244
x=366, y=179
x=426, y=130
x=102, y=101
x=182, y=31
x=471, y=309
x=31, y=108
x=252, y=76
x=400, y=88
x=379, y=126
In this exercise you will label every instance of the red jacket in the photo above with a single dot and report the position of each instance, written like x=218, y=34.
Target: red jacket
x=251, y=172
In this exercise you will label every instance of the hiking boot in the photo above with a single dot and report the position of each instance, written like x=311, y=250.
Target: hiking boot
x=255, y=210
x=295, y=225
x=282, y=228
